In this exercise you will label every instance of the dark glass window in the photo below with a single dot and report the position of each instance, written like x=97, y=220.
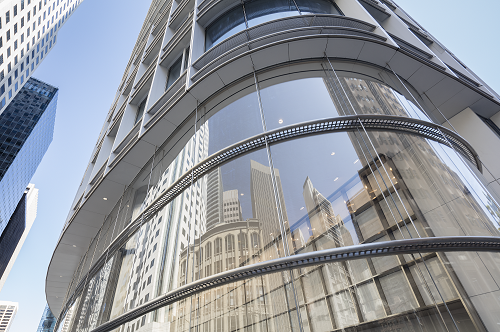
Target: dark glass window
x=227, y=25
x=186, y=58
x=255, y=12
x=260, y=11
x=140, y=111
x=318, y=7
x=174, y=72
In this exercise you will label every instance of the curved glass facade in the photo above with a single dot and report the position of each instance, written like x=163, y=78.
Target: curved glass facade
x=255, y=12
x=256, y=171
x=313, y=193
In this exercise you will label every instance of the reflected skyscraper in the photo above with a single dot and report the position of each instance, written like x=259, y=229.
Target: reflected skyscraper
x=231, y=206
x=264, y=205
x=325, y=134
x=215, y=215
x=47, y=322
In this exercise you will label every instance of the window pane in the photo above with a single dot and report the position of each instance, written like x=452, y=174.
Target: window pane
x=227, y=25
x=174, y=72
x=317, y=7
x=260, y=11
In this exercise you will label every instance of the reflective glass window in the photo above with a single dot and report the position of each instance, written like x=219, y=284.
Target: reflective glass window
x=260, y=11
x=317, y=7
x=174, y=72
x=227, y=25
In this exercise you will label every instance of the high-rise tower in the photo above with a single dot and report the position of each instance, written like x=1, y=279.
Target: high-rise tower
x=353, y=96
x=8, y=312
x=27, y=130
x=14, y=235
x=47, y=322
x=29, y=31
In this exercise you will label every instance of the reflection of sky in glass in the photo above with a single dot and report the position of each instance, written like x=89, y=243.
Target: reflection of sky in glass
x=233, y=123
x=270, y=17
x=288, y=102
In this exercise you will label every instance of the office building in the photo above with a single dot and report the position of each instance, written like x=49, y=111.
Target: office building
x=28, y=32
x=13, y=237
x=286, y=166
x=27, y=128
x=8, y=312
x=47, y=322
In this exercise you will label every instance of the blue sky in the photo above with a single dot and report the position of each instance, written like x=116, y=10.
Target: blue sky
x=87, y=64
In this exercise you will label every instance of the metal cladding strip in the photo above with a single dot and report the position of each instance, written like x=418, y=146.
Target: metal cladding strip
x=338, y=124
x=397, y=247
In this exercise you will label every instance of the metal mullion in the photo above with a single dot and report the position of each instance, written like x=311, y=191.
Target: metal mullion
x=277, y=199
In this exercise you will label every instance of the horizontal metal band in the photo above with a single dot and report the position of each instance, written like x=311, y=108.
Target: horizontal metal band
x=370, y=122
x=243, y=37
x=338, y=124
x=398, y=247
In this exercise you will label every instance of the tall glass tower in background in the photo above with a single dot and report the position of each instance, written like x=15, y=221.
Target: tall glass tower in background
x=47, y=322
x=29, y=31
x=288, y=165
x=14, y=235
x=27, y=128
x=26, y=131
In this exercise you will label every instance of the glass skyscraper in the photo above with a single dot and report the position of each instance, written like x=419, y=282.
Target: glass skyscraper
x=26, y=131
x=47, y=322
x=286, y=166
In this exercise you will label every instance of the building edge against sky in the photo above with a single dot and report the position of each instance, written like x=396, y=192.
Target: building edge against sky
x=27, y=131
x=28, y=32
x=247, y=132
x=8, y=312
x=30, y=211
x=47, y=322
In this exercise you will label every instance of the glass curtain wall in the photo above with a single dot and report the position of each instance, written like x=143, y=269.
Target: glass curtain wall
x=312, y=193
x=254, y=12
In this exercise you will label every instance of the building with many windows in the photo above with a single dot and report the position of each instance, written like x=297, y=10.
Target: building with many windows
x=8, y=311
x=28, y=31
x=14, y=235
x=47, y=322
x=286, y=166
x=27, y=129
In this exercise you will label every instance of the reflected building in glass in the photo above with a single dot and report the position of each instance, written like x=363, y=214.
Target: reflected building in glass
x=249, y=143
x=47, y=322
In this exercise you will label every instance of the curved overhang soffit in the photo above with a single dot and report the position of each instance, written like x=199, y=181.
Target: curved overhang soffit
x=409, y=246
x=366, y=54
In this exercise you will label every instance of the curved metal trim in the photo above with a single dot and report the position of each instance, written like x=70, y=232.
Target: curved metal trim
x=397, y=247
x=337, y=124
x=278, y=26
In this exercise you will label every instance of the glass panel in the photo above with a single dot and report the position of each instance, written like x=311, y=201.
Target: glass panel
x=398, y=293
x=260, y=11
x=319, y=316
x=228, y=121
x=344, y=309
x=225, y=26
x=174, y=72
x=369, y=301
x=317, y=7
x=430, y=294
x=285, y=103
